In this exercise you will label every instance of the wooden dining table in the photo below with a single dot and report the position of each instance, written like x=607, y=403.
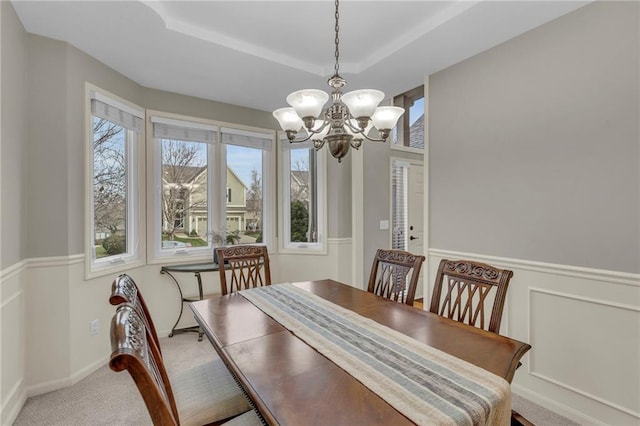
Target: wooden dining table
x=290, y=383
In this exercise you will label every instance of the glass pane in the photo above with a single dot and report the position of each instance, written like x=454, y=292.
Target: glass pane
x=302, y=196
x=416, y=124
x=245, y=207
x=399, y=206
x=109, y=188
x=184, y=194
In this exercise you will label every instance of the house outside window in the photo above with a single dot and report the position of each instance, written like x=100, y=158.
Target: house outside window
x=208, y=171
x=303, y=201
x=409, y=133
x=113, y=201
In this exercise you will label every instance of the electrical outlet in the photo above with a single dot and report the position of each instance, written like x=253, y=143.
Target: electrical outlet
x=94, y=327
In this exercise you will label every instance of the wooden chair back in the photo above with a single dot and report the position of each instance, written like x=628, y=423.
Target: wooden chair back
x=248, y=267
x=463, y=288
x=133, y=350
x=125, y=290
x=394, y=275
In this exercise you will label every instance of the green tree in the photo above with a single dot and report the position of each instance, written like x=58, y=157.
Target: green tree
x=299, y=221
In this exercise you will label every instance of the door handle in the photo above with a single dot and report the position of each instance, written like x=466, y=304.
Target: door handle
x=413, y=238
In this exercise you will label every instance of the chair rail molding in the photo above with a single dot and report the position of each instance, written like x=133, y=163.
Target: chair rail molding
x=584, y=328
x=615, y=277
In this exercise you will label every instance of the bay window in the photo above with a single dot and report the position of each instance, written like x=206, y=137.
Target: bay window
x=209, y=185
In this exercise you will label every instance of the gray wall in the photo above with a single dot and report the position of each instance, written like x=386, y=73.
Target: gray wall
x=56, y=143
x=534, y=145
x=377, y=196
x=56, y=148
x=339, y=197
x=14, y=137
x=43, y=174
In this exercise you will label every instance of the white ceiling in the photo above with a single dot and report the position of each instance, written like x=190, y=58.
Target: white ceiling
x=254, y=53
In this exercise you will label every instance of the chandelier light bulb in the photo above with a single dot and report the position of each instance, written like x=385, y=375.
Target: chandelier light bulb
x=288, y=119
x=308, y=102
x=362, y=103
x=386, y=117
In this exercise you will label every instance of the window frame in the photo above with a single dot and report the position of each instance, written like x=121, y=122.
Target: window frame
x=284, y=200
x=404, y=164
x=403, y=126
x=135, y=176
x=216, y=194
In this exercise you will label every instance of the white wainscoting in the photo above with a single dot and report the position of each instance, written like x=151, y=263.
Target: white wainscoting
x=47, y=306
x=13, y=345
x=584, y=328
x=336, y=264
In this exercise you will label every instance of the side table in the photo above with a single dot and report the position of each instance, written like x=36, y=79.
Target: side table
x=196, y=269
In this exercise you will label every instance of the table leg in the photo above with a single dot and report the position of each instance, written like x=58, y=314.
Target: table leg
x=201, y=294
x=175, y=330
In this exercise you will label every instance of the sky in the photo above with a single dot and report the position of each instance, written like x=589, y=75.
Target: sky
x=243, y=160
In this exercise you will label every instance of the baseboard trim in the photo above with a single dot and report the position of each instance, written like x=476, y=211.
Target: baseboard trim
x=49, y=386
x=14, y=403
x=88, y=370
x=550, y=404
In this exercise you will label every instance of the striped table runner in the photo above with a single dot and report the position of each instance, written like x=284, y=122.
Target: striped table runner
x=428, y=386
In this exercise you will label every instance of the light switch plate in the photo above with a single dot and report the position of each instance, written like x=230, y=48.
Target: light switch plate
x=384, y=224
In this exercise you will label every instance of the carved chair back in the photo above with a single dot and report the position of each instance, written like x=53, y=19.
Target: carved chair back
x=125, y=290
x=133, y=350
x=248, y=267
x=394, y=275
x=463, y=288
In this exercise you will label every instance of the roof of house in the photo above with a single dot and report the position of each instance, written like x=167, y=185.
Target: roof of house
x=416, y=133
x=181, y=174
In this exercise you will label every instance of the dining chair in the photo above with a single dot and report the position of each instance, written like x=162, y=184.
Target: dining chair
x=248, y=267
x=394, y=275
x=197, y=396
x=125, y=290
x=463, y=288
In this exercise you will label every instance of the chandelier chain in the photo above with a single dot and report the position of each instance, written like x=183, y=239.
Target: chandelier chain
x=337, y=40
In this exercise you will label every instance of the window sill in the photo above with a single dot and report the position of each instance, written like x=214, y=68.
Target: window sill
x=406, y=149
x=116, y=269
x=320, y=251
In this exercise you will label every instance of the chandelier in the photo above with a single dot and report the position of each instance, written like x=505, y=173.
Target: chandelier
x=347, y=122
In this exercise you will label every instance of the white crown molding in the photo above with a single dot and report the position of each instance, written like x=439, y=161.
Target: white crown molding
x=214, y=37
x=403, y=39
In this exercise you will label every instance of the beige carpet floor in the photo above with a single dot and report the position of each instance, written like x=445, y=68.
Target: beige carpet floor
x=109, y=398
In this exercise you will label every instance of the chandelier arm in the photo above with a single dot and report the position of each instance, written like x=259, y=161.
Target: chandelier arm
x=325, y=123
x=310, y=133
x=353, y=128
x=373, y=139
x=301, y=140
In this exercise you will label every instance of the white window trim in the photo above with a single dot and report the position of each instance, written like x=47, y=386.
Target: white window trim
x=403, y=148
x=398, y=147
x=136, y=190
x=216, y=181
x=286, y=247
